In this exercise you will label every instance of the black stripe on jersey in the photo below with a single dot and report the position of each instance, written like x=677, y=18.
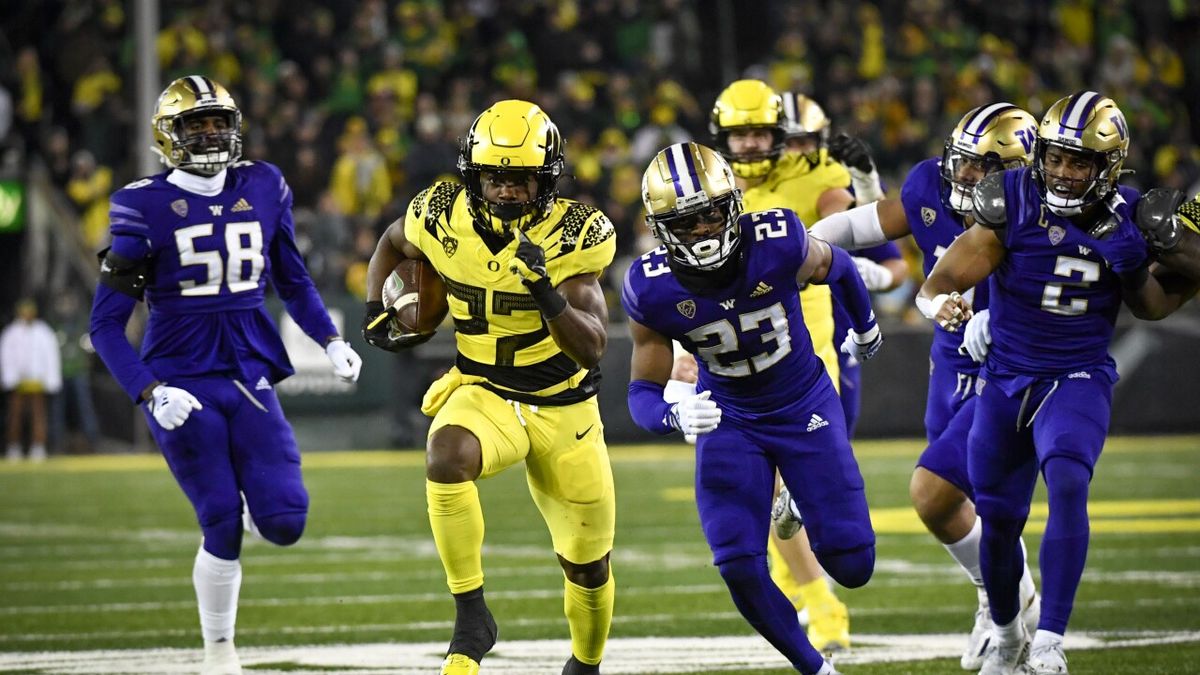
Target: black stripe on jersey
x=441, y=200
x=588, y=388
x=534, y=377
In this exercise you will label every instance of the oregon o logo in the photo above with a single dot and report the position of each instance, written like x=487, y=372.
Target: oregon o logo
x=493, y=266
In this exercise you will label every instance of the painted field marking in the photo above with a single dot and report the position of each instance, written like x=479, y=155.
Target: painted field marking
x=624, y=656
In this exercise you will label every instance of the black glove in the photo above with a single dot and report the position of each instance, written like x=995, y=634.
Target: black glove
x=529, y=263
x=1155, y=217
x=851, y=151
x=376, y=329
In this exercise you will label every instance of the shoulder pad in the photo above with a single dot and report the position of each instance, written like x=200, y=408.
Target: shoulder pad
x=434, y=201
x=988, y=201
x=576, y=219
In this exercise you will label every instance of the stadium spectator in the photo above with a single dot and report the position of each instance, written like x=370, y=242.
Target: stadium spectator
x=30, y=369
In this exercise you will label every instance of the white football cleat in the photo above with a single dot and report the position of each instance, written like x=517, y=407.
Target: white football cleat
x=220, y=658
x=1047, y=660
x=1006, y=658
x=785, y=515
x=828, y=669
x=979, y=639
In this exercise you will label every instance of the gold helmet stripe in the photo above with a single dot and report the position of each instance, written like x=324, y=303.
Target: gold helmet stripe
x=1077, y=112
x=984, y=117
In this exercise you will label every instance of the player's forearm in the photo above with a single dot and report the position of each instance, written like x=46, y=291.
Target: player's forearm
x=647, y=407
x=295, y=287
x=1185, y=256
x=856, y=228
x=1165, y=291
x=382, y=262
x=580, y=335
x=110, y=313
x=848, y=287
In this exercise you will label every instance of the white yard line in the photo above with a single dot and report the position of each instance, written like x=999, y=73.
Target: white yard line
x=624, y=656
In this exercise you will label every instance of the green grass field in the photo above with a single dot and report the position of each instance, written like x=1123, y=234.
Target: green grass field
x=96, y=556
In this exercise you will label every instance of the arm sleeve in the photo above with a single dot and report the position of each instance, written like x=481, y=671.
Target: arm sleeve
x=111, y=310
x=293, y=282
x=856, y=228
x=647, y=407
x=850, y=291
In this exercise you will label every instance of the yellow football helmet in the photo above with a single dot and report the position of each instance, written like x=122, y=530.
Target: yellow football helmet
x=206, y=153
x=514, y=138
x=748, y=104
x=1089, y=125
x=989, y=138
x=692, y=205
x=805, y=120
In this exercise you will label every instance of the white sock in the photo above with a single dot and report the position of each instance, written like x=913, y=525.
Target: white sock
x=217, y=584
x=1010, y=632
x=965, y=552
x=1045, y=639
x=826, y=669
x=1027, y=587
x=37, y=453
x=13, y=452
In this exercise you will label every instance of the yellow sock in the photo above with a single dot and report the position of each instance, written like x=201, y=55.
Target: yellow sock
x=817, y=592
x=782, y=576
x=589, y=614
x=456, y=518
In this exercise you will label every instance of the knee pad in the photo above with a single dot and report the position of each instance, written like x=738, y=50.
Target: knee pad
x=223, y=537
x=283, y=529
x=850, y=568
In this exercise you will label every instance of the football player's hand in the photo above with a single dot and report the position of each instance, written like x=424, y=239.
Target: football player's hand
x=977, y=337
x=346, y=362
x=171, y=406
x=862, y=346
x=695, y=414
x=876, y=277
x=1156, y=219
x=377, y=332
x=951, y=311
x=851, y=151
x=529, y=262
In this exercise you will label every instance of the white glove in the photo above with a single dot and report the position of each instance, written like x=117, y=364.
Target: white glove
x=977, y=337
x=862, y=346
x=676, y=391
x=171, y=406
x=875, y=276
x=695, y=414
x=346, y=361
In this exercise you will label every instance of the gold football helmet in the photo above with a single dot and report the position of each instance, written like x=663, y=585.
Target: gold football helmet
x=748, y=104
x=513, y=140
x=692, y=205
x=1087, y=125
x=805, y=125
x=989, y=138
x=205, y=152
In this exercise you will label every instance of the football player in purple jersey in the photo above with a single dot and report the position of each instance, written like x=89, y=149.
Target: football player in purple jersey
x=725, y=285
x=198, y=243
x=1060, y=244
x=934, y=207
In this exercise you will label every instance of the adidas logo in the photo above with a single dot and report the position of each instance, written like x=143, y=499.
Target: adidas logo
x=761, y=289
x=262, y=384
x=1081, y=375
x=816, y=422
x=242, y=205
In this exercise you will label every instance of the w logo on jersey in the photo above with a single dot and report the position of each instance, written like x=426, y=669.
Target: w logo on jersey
x=727, y=304
x=816, y=422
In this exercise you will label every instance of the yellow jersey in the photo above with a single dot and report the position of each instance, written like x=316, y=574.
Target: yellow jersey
x=1189, y=214
x=500, y=334
x=796, y=183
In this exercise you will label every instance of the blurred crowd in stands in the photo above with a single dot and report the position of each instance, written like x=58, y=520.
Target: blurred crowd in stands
x=361, y=103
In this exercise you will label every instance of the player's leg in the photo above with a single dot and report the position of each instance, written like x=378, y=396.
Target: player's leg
x=16, y=416
x=818, y=465
x=475, y=434
x=795, y=569
x=734, y=483
x=1003, y=472
x=570, y=479
x=1069, y=431
x=941, y=494
x=37, y=426
x=267, y=461
x=200, y=457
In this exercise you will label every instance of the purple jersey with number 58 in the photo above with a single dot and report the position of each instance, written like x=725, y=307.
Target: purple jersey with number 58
x=752, y=347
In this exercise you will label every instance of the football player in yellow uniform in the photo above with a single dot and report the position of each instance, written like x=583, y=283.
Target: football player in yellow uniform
x=522, y=269
x=749, y=127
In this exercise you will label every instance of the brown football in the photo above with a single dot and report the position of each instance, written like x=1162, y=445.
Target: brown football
x=419, y=295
